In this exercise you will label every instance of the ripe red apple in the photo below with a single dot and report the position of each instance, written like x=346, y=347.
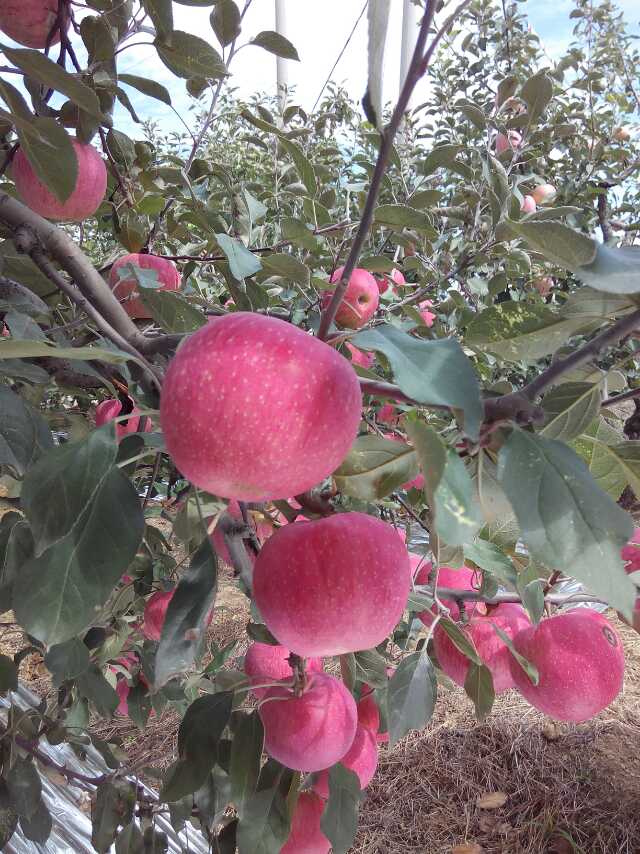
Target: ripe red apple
x=491, y=649
x=388, y=414
x=580, y=662
x=427, y=316
x=360, y=300
x=263, y=528
x=528, y=205
x=622, y=134
x=511, y=140
x=264, y=662
x=254, y=408
x=543, y=193
x=453, y=579
x=368, y=711
x=126, y=289
x=365, y=360
x=543, y=284
x=112, y=408
x=396, y=277
x=361, y=758
x=312, y=731
x=155, y=612
x=306, y=836
x=85, y=199
x=29, y=22
x=631, y=552
x=331, y=586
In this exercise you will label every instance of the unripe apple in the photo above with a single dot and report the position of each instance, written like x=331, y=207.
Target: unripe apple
x=110, y=409
x=365, y=360
x=543, y=284
x=29, y=22
x=361, y=758
x=313, y=731
x=263, y=529
x=622, y=134
x=543, y=193
x=126, y=289
x=86, y=197
x=360, y=301
x=491, y=649
x=306, y=836
x=155, y=612
x=331, y=586
x=264, y=662
x=511, y=140
x=528, y=205
x=255, y=409
x=580, y=662
x=449, y=578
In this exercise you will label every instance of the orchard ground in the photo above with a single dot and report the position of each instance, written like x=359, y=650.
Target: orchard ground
x=560, y=788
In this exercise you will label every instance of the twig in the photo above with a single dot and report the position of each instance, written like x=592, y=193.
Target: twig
x=605, y=226
x=620, y=398
x=476, y=596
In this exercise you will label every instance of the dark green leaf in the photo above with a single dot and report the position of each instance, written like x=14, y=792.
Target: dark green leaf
x=613, y=270
x=530, y=669
x=181, y=779
x=460, y=640
x=402, y=216
x=226, y=21
x=114, y=805
x=266, y=822
x=67, y=660
x=536, y=93
x=557, y=242
x=8, y=816
x=37, y=827
x=479, y=687
x=148, y=87
x=25, y=787
x=375, y=467
x=50, y=152
x=24, y=434
x=161, y=14
x=371, y=668
x=171, y=311
x=246, y=753
x=8, y=674
x=130, y=840
x=339, y=821
x=95, y=688
x=276, y=43
x=411, y=695
x=189, y=56
x=302, y=164
x=491, y=559
x=288, y=267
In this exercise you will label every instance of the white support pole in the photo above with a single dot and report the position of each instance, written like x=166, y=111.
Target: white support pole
x=409, y=37
x=282, y=77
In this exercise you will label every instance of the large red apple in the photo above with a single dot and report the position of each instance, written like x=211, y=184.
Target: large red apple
x=86, y=197
x=361, y=758
x=312, y=731
x=543, y=193
x=491, y=649
x=360, y=301
x=448, y=578
x=254, y=408
x=264, y=662
x=126, y=289
x=336, y=585
x=30, y=22
x=112, y=408
x=368, y=711
x=306, y=836
x=580, y=663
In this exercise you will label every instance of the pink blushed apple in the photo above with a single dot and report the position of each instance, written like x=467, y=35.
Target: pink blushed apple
x=86, y=197
x=331, y=586
x=265, y=663
x=580, y=662
x=512, y=140
x=107, y=410
x=361, y=758
x=254, y=408
x=125, y=287
x=427, y=316
x=358, y=357
x=543, y=193
x=312, y=731
x=528, y=205
x=306, y=836
x=30, y=22
x=360, y=301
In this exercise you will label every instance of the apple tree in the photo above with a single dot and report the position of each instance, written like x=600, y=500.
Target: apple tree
x=312, y=342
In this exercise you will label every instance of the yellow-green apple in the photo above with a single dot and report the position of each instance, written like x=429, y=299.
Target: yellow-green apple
x=253, y=408
x=360, y=301
x=125, y=285
x=361, y=758
x=331, y=586
x=264, y=662
x=306, y=836
x=30, y=22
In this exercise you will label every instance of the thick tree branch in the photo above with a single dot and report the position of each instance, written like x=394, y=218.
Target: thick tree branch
x=620, y=398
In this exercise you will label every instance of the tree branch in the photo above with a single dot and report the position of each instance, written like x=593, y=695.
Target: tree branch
x=476, y=596
x=620, y=398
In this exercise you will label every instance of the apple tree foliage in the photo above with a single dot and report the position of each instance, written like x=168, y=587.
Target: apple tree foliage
x=507, y=399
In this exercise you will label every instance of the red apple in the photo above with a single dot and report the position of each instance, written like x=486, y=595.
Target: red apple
x=306, y=836
x=155, y=612
x=85, y=199
x=361, y=758
x=331, y=586
x=112, y=408
x=388, y=414
x=265, y=662
x=254, y=408
x=622, y=134
x=312, y=731
x=29, y=22
x=449, y=578
x=368, y=711
x=543, y=284
x=580, y=662
x=528, y=205
x=511, y=140
x=365, y=360
x=491, y=649
x=396, y=277
x=543, y=193
x=427, y=316
x=126, y=289
x=360, y=300
x=263, y=528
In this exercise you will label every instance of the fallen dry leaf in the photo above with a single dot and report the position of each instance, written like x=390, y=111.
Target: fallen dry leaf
x=491, y=801
x=467, y=848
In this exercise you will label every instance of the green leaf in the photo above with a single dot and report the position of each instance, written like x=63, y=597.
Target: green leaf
x=266, y=823
x=39, y=349
x=613, y=464
x=430, y=372
x=276, y=43
x=198, y=735
x=8, y=816
x=557, y=242
x=378, y=22
x=371, y=667
x=24, y=434
x=302, y=164
x=50, y=152
x=8, y=675
x=182, y=778
x=567, y=522
x=184, y=628
x=67, y=660
x=441, y=156
x=148, y=87
x=114, y=805
x=569, y=409
x=448, y=484
x=402, y=216
x=536, y=93
x=60, y=486
x=37, y=827
x=161, y=14
x=57, y=593
x=460, y=639
x=39, y=67
x=375, y=467
x=242, y=262
x=339, y=821
x=411, y=695
x=98, y=690
x=226, y=21
x=530, y=669
x=288, y=267
x=130, y=840
x=25, y=787
x=479, y=688
x=518, y=331
x=613, y=270
x=171, y=311
x=246, y=753
x=189, y=56
x=490, y=558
